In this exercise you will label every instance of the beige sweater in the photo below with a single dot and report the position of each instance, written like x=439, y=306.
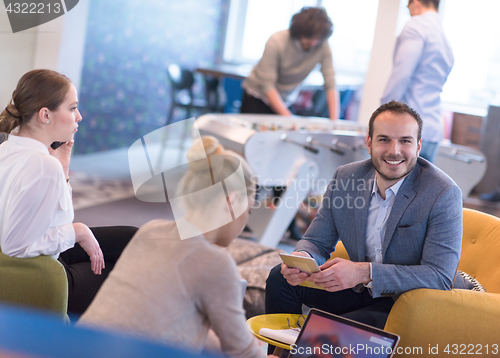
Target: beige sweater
x=173, y=291
x=284, y=65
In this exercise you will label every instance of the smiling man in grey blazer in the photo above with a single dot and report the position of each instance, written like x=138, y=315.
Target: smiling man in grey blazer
x=399, y=218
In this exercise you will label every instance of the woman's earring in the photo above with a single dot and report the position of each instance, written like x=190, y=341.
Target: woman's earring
x=47, y=122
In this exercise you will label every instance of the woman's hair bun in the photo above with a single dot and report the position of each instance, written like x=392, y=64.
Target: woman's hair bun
x=12, y=110
x=203, y=172
x=212, y=145
x=206, y=145
x=9, y=118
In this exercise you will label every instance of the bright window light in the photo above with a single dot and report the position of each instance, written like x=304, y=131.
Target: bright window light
x=257, y=20
x=473, y=33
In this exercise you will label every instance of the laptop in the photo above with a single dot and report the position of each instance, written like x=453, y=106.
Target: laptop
x=328, y=335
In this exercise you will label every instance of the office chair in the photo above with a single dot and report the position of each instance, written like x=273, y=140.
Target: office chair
x=181, y=83
x=181, y=91
x=39, y=282
x=212, y=96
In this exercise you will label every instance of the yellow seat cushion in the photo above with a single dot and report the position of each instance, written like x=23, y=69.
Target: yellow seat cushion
x=426, y=317
x=481, y=249
x=466, y=318
x=340, y=251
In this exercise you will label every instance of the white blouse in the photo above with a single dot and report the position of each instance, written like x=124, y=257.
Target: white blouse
x=36, y=209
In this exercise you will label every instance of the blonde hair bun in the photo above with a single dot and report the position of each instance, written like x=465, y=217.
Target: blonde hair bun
x=202, y=173
x=206, y=145
x=212, y=145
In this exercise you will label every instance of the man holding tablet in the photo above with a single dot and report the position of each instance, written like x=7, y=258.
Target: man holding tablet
x=399, y=218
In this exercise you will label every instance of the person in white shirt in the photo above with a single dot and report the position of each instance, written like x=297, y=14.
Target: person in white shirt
x=36, y=209
x=423, y=59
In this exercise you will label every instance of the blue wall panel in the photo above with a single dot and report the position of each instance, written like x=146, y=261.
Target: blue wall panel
x=129, y=44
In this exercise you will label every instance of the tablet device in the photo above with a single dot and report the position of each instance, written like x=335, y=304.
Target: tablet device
x=305, y=264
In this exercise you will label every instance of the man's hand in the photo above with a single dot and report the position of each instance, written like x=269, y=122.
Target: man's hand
x=276, y=103
x=339, y=274
x=333, y=100
x=293, y=275
x=88, y=242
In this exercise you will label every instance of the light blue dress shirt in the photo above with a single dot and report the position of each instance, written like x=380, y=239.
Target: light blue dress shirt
x=423, y=59
x=376, y=222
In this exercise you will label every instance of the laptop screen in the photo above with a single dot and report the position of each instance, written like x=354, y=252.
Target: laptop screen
x=328, y=335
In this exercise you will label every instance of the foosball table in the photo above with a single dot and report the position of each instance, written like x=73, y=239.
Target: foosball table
x=300, y=155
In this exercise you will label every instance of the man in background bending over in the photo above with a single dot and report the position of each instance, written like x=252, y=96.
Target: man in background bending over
x=422, y=62
x=289, y=56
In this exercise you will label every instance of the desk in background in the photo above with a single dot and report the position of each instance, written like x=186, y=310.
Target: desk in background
x=313, y=80
x=236, y=72
x=233, y=75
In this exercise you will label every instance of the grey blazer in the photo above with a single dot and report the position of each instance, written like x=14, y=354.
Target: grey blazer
x=423, y=238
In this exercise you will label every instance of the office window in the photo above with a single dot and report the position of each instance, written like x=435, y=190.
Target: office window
x=473, y=31
x=352, y=39
x=252, y=22
x=264, y=18
x=474, y=82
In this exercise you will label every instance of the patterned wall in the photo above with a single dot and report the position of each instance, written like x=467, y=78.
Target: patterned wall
x=129, y=44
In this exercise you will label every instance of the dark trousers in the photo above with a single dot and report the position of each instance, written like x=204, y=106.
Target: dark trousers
x=281, y=297
x=251, y=104
x=83, y=284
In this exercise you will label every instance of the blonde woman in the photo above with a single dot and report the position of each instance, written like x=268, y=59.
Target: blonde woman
x=175, y=289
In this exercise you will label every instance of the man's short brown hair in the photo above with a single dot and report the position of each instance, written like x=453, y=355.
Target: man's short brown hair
x=311, y=22
x=395, y=107
x=428, y=3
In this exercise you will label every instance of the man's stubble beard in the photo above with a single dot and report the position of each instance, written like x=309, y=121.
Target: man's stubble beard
x=410, y=168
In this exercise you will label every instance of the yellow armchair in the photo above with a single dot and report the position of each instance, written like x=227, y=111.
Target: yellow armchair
x=458, y=321
x=38, y=282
